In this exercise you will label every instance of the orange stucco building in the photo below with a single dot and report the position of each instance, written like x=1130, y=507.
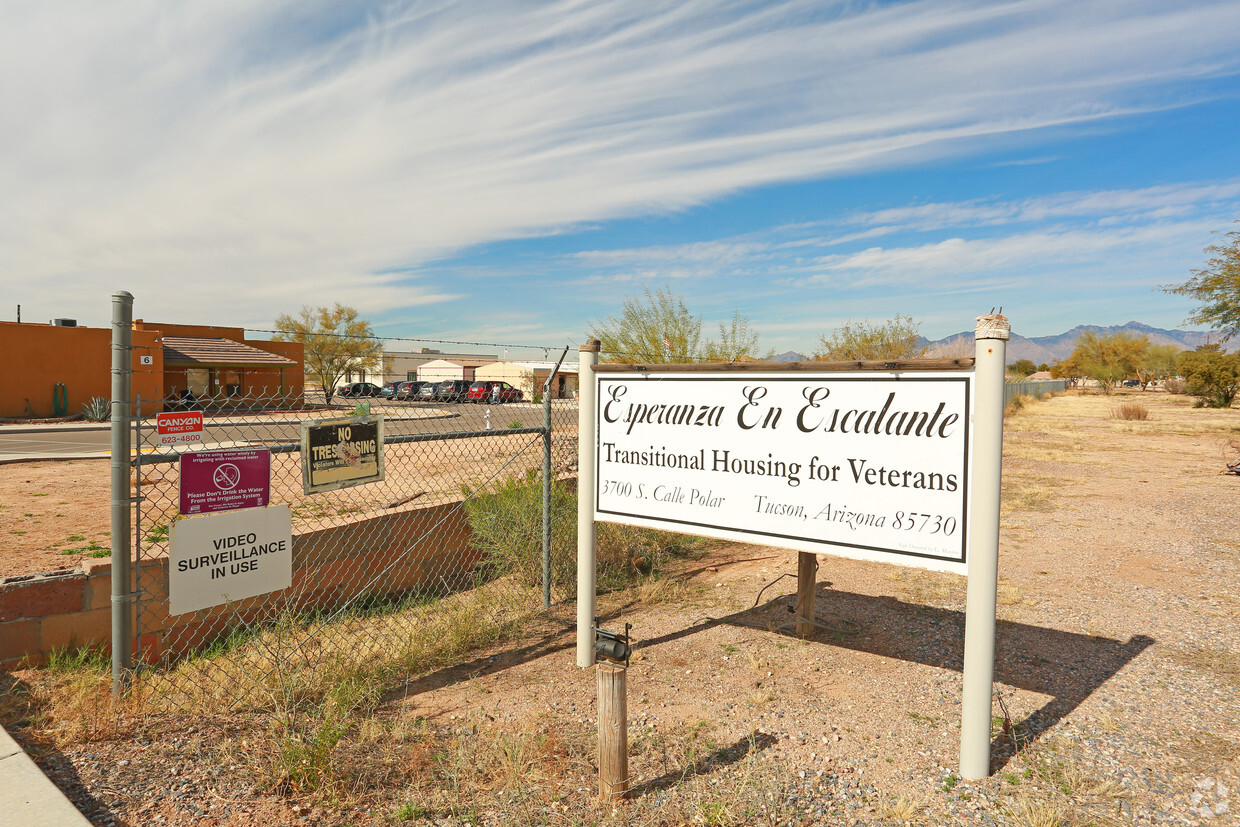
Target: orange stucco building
x=52, y=370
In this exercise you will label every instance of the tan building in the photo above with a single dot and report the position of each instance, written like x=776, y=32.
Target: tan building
x=402, y=366
x=441, y=370
x=529, y=377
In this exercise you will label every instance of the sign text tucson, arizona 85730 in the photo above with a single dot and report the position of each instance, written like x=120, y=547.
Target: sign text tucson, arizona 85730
x=873, y=467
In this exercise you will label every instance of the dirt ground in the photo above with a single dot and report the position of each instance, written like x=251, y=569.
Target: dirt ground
x=1117, y=675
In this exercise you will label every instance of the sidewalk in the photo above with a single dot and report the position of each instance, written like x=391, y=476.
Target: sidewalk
x=27, y=796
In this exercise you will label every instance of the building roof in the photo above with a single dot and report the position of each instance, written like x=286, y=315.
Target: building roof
x=185, y=350
x=566, y=367
x=456, y=362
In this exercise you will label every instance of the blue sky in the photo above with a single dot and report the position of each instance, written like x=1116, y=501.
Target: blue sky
x=509, y=172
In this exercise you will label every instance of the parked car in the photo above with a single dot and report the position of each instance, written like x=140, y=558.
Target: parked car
x=359, y=389
x=409, y=390
x=452, y=390
x=401, y=390
x=1132, y=383
x=425, y=392
x=493, y=393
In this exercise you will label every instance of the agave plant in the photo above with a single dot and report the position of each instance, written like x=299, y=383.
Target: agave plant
x=98, y=409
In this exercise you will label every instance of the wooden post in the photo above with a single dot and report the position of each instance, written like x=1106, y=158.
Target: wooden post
x=613, y=731
x=807, y=565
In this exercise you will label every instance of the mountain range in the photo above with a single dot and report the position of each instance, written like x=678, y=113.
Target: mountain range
x=1050, y=349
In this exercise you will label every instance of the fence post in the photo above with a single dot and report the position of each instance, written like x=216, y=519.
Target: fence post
x=586, y=537
x=546, y=492
x=122, y=389
x=992, y=333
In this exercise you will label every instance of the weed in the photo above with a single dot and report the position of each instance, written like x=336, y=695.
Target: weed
x=900, y=809
x=516, y=423
x=74, y=538
x=1131, y=411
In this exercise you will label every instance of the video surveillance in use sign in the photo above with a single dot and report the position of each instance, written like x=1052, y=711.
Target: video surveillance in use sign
x=872, y=466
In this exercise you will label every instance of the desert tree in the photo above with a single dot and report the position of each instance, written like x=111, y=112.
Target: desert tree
x=1023, y=368
x=737, y=340
x=1217, y=287
x=1158, y=362
x=658, y=328
x=896, y=338
x=1211, y=375
x=337, y=342
x=1108, y=360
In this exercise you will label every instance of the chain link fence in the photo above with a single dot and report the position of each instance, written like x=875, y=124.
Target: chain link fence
x=397, y=575
x=1037, y=388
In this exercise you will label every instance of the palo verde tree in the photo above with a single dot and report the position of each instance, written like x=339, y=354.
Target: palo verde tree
x=337, y=342
x=1158, y=362
x=1217, y=287
x=660, y=329
x=896, y=338
x=1108, y=360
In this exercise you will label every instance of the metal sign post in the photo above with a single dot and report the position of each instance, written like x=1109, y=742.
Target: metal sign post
x=586, y=537
x=992, y=334
x=122, y=588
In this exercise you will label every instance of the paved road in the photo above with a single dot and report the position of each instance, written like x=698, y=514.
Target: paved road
x=78, y=440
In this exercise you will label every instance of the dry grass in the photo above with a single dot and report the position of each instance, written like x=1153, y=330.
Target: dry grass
x=901, y=810
x=1131, y=411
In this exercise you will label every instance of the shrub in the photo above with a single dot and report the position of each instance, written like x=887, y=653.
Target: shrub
x=1174, y=385
x=98, y=409
x=1131, y=411
x=506, y=520
x=1211, y=375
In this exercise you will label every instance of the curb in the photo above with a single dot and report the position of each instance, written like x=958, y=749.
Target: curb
x=27, y=796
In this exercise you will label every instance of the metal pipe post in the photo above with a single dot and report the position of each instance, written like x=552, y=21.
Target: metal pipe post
x=992, y=334
x=586, y=536
x=546, y=488
x=122, y=389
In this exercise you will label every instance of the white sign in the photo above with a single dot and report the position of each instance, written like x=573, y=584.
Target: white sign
x=872, y=466
x=179, y=428
x=218, y=558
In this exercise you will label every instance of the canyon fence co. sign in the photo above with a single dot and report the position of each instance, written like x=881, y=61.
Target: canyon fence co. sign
x=872, y=466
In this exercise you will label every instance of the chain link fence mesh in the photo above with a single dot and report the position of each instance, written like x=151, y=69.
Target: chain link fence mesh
x=412, y=572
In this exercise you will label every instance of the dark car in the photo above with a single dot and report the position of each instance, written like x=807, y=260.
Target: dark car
x=359, y=389
x=493, y=393
x=401, y=390
x=452, y=390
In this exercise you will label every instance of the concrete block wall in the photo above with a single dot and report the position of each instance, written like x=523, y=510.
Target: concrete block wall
x=428, y=546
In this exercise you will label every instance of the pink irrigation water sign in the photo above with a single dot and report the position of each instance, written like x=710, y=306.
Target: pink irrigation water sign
x=225, y=480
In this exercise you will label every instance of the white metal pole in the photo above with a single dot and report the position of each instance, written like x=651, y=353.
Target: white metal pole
x=992, y=333
x=586, y=537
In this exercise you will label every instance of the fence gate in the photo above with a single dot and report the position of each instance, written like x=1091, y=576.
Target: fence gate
x=395, y=575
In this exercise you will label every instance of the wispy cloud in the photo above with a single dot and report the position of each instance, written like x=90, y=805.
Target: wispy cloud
x=230, y=160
